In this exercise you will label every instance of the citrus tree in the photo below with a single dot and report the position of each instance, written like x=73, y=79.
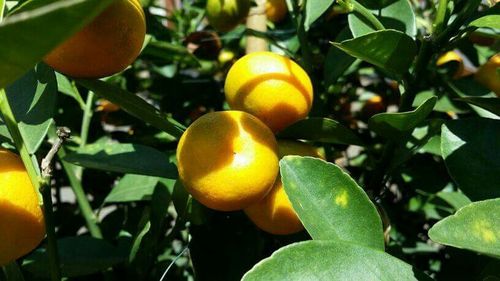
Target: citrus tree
x=249, y=140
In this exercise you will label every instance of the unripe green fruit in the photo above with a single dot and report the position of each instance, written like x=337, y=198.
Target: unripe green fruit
x=225, y=15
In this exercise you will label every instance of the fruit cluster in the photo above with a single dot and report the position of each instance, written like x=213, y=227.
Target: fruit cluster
x=229, y=160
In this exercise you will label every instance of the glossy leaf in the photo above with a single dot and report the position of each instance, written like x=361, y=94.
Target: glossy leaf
x=135, y=106
x=388, y=49
x=22, y=47
x=132, y=188
x=331, y=260
x=33, y=101
x=489, y=21
x=394, y=125
x=79, y=256
x=455, y=199
x=124, y=158
x=337, y=62
x=398, y=15
x=474, y=227
x=321, y=130
x=490, y=104
x=471, y=150
x=329, y=202
x=314, y=9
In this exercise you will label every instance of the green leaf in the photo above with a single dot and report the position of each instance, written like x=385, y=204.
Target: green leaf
x=471, y=150
x=395, y=125
x=79, y=256
x=22, y=46
x=4, y=132
x=490, y=104
x=455, y=199
x=321, y=130
x=33, y=101
x=398, y=15
x=135, y=106
x=391, y=50
x=64, y=86
x=337, y=62
x=489, y=21
x=132, y=188
x=314, y=9
x=474, y=227
x=124, y=158
x=331, y=260
x=329, y=202
x=376, y=4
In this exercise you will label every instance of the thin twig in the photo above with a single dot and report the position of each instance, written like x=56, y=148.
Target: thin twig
x=63, y=134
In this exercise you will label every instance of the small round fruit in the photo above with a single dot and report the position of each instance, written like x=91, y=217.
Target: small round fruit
x=270, y=86
x=276, y=10
x=453, y=57
x=106, y=46
x=224, y=15
x=489, y=74
x=227, y=160
x=21, y=218
x=274, y=213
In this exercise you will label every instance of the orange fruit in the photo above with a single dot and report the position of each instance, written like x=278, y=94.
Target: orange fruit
x=21, y=218
x=453, y=57
x=225, y=15
x=227, y=160
x=276, y=10
x=274, y=213
x=489, y=74
x=106, y=46
x=270, y=86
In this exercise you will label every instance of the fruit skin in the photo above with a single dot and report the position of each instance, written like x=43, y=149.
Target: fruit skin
x=21, y=218
x=228, y=160
x=489, y=75
x=224, y=15
x=106, y=46
x=276, y=10
x=453, y=56
x=270, y=86
x=274, y=213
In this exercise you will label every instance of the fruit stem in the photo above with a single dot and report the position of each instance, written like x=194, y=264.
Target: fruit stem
x=43, y=185
x=441, y=16
x=81, y=199
x=356, y=7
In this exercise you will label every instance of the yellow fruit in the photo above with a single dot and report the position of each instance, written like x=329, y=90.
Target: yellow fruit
x=276, y=10
x=225, y=15
x=274, y=213
x=21, y=218
x=452, y=57
x=270, y=86
x=106, y=46
x=489, y=74
x=227, y=160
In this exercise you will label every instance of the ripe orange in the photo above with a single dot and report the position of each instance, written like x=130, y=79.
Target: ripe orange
x=453, y=57
x=276, y=10
x=225, y=15
x=489, y=74
x=21, y=218
x=270, y=86
x=227, y=160
x=274, y=213
x=106, y=46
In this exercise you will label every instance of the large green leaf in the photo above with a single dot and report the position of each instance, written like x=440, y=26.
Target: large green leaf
x=331, y=260
x=337, y=62
x=135, y=188
x=322, y=130
x=475, y=227
x=124, y=158
x=329, y=202
x=398, y=15
x=135, y=106
x=22, y=42
x=471, y=150
x=314, y=9
x=394, y=125
x=490, y=104
x=79, y=256
x=33, y=100
x=390, y=49
x=489, y=21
